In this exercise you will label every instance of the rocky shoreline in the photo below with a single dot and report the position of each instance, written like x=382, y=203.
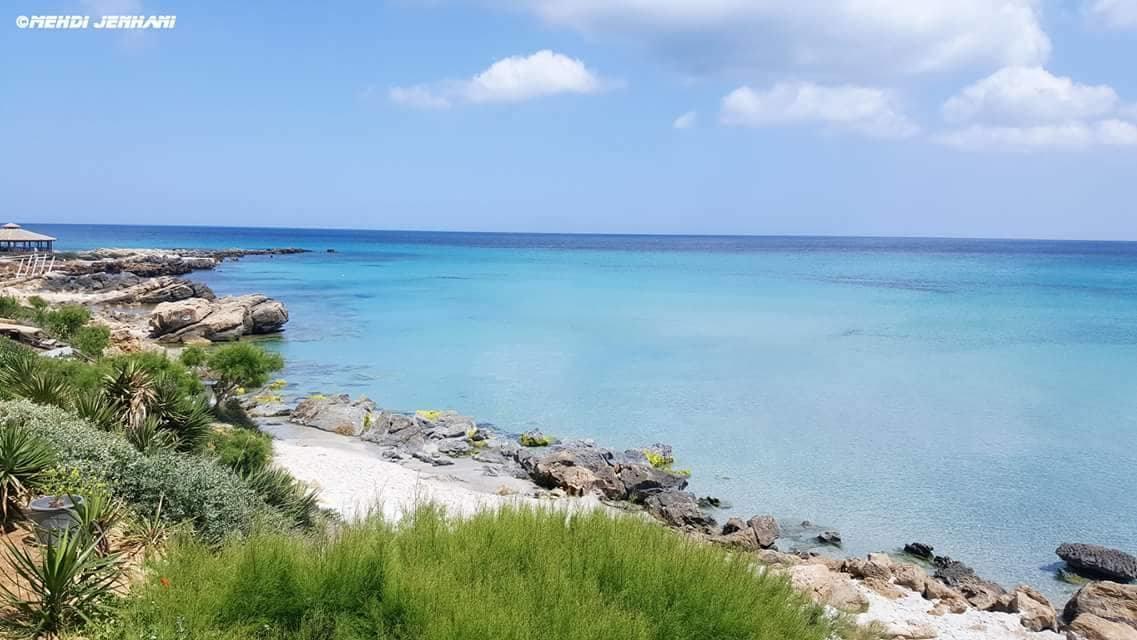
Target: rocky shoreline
x=140, y=296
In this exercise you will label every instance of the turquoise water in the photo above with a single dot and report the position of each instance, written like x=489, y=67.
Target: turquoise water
x=977, y=395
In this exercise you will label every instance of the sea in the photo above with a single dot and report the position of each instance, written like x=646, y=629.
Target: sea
x=976, y=395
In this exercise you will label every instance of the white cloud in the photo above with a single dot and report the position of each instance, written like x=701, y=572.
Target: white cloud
x=513, y=79
x=1067, y=136
x=1120, y=14
x=869, y=36
x=866, y=110
x=1018, y=95
x=1021, y=108
x=686, y=121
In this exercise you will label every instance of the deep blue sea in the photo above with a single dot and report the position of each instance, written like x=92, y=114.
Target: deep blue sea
x=979, y=395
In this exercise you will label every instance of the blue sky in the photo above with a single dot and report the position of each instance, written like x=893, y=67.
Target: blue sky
x=994, y=118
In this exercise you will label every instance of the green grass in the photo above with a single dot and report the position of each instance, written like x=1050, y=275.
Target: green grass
x=514, y=574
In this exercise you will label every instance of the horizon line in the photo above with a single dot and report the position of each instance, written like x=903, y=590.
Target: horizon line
x=587, y=233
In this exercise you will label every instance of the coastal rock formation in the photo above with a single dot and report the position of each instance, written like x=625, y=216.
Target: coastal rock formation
x=760, y=532
x=680, y=509
x=217, y=320
x=828, y=588
x=152, y=263
x=338, y=414
x=920, y=550
x=1033, y=608
x=1098, y=562
x=1103, y=611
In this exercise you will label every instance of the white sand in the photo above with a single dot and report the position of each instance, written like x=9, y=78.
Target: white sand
x=354, y=480
x=908, y=617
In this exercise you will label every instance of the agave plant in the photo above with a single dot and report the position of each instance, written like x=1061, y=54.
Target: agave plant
x=70, y=583
x=23, y=460
x=130, y=390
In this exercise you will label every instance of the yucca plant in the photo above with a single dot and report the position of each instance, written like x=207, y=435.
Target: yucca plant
x=92, y=406
x=96, y=515
x=67, y=584
x=130, y=390
x=23, y=460
x=190, y=420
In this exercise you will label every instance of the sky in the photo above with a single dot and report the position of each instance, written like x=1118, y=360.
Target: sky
x=967, y=118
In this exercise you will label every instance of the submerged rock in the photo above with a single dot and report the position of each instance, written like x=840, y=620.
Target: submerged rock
x=832, y=538
x=1095, y=561
x=920, y=550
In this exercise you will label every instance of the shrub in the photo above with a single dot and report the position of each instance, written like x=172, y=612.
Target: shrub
x=241, y=365
x=277, y=487
x=215, y=500
x=91, y=340
x=66, y=320
x=193, y=357
x=241, y=450
x=515, y=573
x=24, y=459
x=11, y=308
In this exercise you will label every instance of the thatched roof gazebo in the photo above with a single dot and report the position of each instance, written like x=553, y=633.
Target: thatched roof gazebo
x=14, y=238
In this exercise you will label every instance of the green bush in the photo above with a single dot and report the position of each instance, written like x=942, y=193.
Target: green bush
x=24, y=459
x=11, y=309
x=91, y=340
x=64, y=321
x=513, y=574
x=215, y=500
x=241, y=450
x=240, y=365
x=193, y=356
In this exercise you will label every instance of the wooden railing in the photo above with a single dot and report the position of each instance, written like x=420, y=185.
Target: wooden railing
x=31, y=265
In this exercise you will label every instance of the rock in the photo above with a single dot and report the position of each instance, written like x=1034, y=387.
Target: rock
x=217, y=320
x=435, y=460
x=1098, y=562
x=733, y=525
x=878, y=568
x=577, y=468
x=710, y=502
x=920, y=550
x=832, y=538
x=766, y=530
x=982, y=594
x=270, y=410
x=641, y=481
x=828, y=588
x=338, y=414
x=1090, y=627
x=455, y=447
x=1110, y=601
x=884, y=588
x=1034, y=610
x=679, y=509
x=910, y=576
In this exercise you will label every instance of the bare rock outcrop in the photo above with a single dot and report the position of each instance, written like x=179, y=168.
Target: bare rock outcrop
x=219, y=320
x=1103, y=611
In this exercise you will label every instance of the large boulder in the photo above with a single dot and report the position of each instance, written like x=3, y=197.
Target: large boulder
x=1098, y=562
x=1033, y=609
x=338, y=414
x=828, y=588
x=679, y=509
x=577, y=468
x=217, y=320
x=1090, y=627
x=1113, y=603
x=641, y=481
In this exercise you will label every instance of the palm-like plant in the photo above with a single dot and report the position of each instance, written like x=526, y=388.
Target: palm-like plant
x=23, y=460
x=92, y=406
x=131, y=391
x=96, y=515
x=190, y=422
x=69, y=584
x=148, y=437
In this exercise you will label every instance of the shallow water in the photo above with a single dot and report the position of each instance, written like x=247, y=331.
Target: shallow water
x=977, y=395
